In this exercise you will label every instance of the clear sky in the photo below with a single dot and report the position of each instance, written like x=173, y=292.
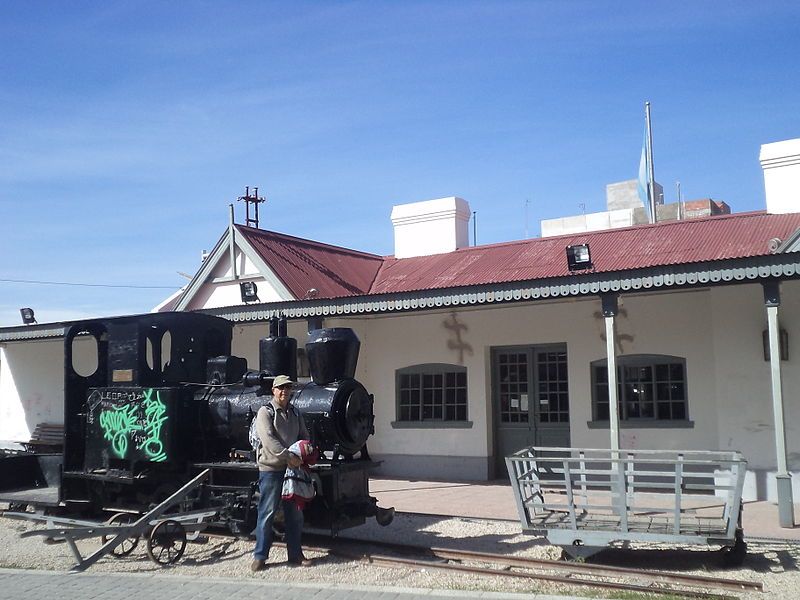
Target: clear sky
x=126, y=128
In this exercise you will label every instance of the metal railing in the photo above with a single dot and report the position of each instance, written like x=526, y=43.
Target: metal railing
x=693, y=495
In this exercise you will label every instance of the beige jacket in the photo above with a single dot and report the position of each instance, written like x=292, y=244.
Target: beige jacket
x=277, y=435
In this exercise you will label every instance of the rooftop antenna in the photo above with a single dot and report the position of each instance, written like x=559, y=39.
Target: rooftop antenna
x=527, y=202
x=255, y=201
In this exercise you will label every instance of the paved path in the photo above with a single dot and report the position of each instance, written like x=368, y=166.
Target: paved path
x=495, y=500
x=16, y=584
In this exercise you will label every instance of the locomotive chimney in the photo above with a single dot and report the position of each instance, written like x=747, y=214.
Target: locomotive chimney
x=273, y=327
x=282, y=327
x=332, y=354
x=277, y=354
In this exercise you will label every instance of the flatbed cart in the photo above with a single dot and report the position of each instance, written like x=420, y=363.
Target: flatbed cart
x=584, y=500
x=166, y=534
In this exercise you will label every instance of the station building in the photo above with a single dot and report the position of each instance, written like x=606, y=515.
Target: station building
x=473, y=352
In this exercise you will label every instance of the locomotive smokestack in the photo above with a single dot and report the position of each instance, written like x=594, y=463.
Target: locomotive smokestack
x=273, y=327
x=277, y=354
x=332, y=354
x=282, y=327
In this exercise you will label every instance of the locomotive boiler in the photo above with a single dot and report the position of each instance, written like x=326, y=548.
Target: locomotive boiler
x=166, y=399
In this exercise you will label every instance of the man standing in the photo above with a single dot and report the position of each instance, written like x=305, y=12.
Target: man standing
x=278, y=426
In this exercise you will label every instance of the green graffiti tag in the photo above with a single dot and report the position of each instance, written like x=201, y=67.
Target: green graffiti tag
x=155, y=416
x=117, y=423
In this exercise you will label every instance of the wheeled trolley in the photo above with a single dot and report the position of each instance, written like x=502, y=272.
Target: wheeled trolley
x=586, y=499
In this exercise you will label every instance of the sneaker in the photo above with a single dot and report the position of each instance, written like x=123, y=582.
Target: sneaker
x=302, y=561
x=257, y=565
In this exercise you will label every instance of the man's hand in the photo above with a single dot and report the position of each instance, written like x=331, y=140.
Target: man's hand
x=294, y=461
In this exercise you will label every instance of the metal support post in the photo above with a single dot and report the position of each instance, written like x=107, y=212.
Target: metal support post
x=610, y=308
x=783, y=478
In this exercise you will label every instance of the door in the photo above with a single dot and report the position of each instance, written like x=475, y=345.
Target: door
x=530, y=390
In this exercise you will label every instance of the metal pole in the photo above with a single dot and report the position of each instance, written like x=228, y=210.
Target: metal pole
x=610, y=304
x=232, y=245
x=782, y=477
x=474, y=228
x=613, y=404
x=680, y=204
x=651, y=177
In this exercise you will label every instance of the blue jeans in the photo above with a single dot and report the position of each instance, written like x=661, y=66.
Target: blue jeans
x=270, y=484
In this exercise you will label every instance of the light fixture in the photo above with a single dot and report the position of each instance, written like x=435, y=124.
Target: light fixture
x=28, y=318
x=579, y=257
x=249, y=291
x=783, y=344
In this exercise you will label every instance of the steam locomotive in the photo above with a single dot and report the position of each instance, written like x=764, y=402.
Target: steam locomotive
x=167, y=400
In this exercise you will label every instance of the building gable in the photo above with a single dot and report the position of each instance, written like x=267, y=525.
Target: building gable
x=217, y=282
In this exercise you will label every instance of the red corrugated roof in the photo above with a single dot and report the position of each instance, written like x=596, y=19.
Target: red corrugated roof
x=303, y=265
x=333, y=271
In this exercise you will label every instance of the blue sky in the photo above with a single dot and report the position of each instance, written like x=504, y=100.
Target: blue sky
x=128, y=127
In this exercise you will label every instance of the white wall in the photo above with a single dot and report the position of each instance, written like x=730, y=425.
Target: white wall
x=744, y=399
x=32, y=384
x=676, y=324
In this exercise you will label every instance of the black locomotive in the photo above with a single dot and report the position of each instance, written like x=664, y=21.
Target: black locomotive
x=167, y=400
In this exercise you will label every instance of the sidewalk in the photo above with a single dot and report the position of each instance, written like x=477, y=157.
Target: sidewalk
x=495, y=500
x=16, y=584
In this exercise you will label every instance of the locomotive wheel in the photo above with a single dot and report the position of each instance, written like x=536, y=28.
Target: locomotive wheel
x=127, y=546
x=167, y=543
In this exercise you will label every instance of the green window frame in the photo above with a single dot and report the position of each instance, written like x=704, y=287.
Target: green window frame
x=432, y=393
x=650, y=388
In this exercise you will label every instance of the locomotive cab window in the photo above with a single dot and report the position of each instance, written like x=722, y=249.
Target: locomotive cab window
x=431, y=395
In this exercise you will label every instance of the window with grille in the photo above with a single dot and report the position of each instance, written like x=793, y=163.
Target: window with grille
x=650, y=387
x=432, y=392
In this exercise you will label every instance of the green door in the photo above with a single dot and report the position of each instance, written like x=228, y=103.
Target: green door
x=530, y=399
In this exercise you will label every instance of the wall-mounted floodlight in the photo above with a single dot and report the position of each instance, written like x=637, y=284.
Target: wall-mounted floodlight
x=28, y=318
x=579, y=257
x=249, y=291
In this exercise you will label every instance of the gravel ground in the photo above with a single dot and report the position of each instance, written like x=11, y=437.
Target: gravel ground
x=775, y=564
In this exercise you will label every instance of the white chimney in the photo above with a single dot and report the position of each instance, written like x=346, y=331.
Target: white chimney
x=781, y=164
x=430, y=227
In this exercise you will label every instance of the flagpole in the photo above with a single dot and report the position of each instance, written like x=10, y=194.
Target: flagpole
x=651, y=191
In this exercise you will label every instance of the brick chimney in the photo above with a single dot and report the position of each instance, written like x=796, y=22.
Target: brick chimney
x=781, y=164
x=430, y=227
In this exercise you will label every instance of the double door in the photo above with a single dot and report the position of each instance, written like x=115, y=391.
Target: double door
x=530, y=390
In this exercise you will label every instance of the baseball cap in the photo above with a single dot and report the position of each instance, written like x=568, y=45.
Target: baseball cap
x=282, y=380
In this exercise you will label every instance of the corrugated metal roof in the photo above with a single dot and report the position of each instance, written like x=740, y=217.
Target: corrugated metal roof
x=303, y=265
x=672, y=243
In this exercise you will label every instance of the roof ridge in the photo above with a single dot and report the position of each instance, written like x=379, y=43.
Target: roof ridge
x=613, y=230
x=253, y=231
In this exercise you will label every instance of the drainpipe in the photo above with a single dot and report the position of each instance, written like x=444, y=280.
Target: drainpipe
x=772, y=300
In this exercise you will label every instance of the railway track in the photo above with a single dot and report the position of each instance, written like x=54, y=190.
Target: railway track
x=579, y=574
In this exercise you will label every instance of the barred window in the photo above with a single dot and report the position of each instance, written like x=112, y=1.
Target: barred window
x=432, y=392
x=649, y=387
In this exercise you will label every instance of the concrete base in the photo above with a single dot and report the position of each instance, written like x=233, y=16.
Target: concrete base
x=762, y=484
x=785, y=503
x=451, y=468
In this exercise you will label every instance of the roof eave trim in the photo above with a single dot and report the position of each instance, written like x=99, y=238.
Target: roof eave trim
x=731, y=271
